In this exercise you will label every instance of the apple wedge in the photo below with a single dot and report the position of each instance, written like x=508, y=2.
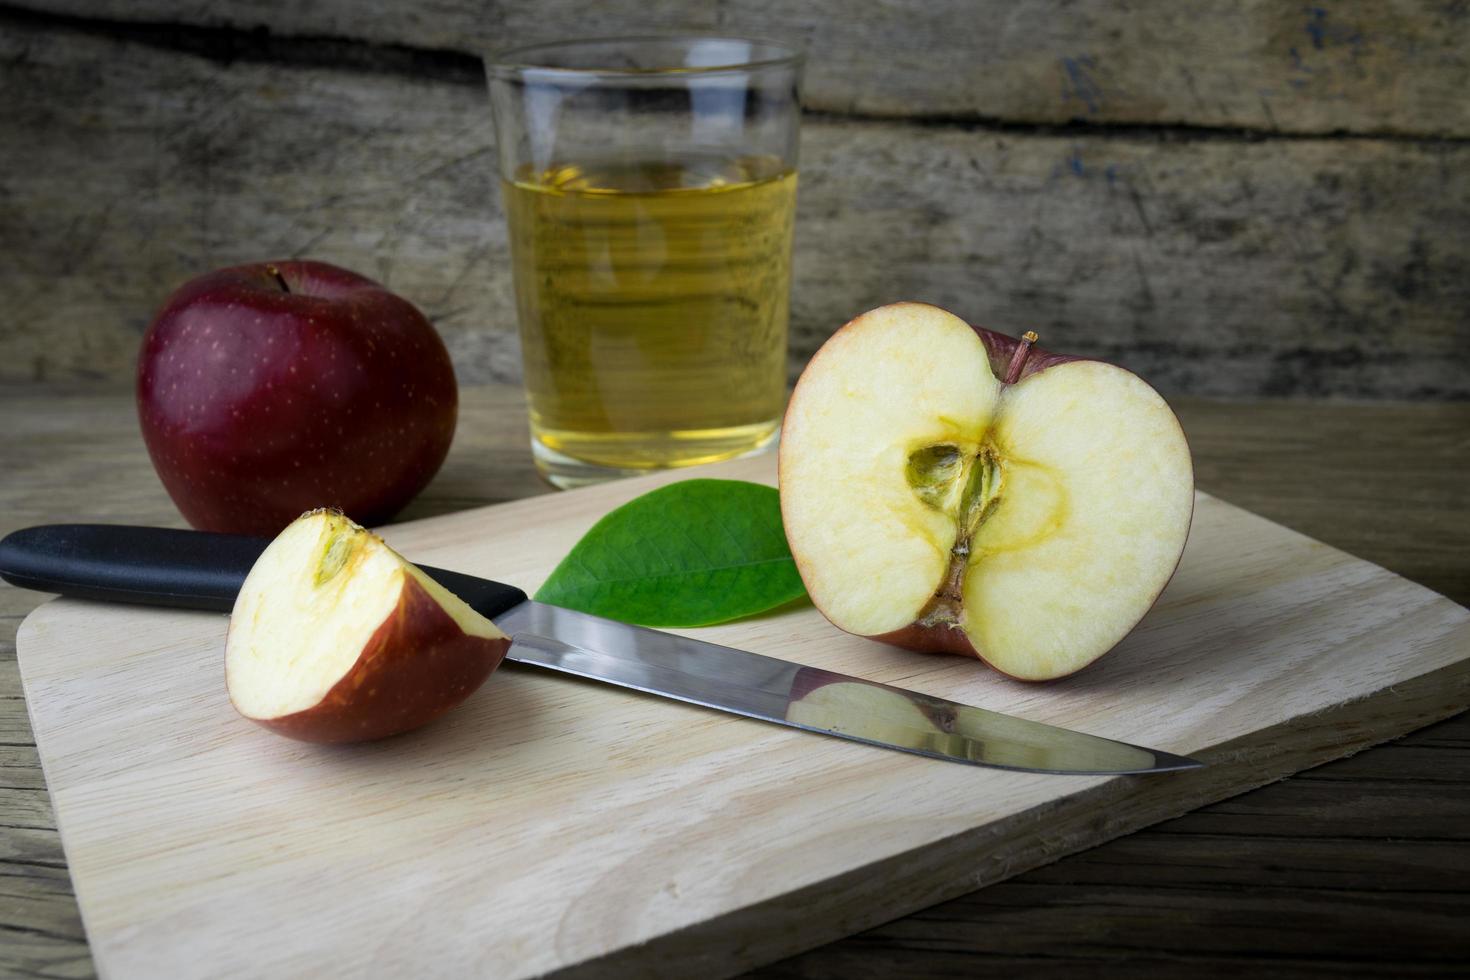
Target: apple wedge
x=949, y=489
x=335, y=637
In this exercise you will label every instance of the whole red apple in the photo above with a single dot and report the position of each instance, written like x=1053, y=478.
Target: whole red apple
x=270, y=389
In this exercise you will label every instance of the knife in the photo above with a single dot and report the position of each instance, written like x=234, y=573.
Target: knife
x=204, y=570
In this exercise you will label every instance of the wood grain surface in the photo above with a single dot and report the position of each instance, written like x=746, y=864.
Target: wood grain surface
x=1322, y=254
x=1410, y=799
x=1392, y=67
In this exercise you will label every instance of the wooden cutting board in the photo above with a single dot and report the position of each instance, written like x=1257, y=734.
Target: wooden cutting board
x=552, y=824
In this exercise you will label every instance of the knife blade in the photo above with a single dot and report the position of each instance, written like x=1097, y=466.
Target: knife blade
x=204, y=570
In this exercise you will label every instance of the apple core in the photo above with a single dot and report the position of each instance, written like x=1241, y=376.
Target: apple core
x=936, y=474
x=342, y=543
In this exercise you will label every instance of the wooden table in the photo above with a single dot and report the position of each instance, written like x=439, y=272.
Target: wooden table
x=1359, y=867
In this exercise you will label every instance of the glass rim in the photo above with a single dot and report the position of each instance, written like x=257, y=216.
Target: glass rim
x=519, y=60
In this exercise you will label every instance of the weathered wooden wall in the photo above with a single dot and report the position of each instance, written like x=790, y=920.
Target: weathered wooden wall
x=1234, y=198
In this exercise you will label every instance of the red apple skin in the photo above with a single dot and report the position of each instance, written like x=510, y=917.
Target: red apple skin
x=932, y=639
x=417, y=665
x=259, y=401
x=1002, y=348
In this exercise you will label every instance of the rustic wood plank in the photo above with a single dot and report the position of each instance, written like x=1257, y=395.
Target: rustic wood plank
x=1170, y=856
x=15, y=727
x=1413, y=809
x=20, y=767
x=945, y=961
x=41, y=931
x=1311, y=465
x=1447, y=738
x=1213, y=266
x=1206, y=903
x=1186, y=931
x=1397, y=67
x=60, y=441
x=1418, y=921
x=1407, y=761
x=26, y=809
x=27, y=845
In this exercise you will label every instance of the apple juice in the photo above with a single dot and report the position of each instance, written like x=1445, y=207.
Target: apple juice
x=653, y=299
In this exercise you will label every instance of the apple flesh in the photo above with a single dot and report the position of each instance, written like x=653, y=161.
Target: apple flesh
x=337, y=638
x=949, y=489
x=268, y=389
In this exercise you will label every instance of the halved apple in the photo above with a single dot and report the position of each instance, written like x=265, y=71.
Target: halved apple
x=950, y=489
x=335, y=637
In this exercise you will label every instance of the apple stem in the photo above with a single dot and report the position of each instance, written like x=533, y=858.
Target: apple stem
x=280, y=279
x=956, y=577
x=1018, y=359
x=945, y=606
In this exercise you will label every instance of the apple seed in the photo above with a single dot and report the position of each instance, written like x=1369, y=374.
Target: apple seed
x=344, y=541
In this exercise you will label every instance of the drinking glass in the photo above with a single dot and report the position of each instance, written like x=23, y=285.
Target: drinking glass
x=649, y=185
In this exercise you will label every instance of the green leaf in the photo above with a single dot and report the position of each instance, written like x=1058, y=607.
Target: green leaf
x=692, y=553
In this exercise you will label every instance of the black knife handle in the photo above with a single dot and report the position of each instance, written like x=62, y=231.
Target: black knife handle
x=158, y=566
x=118, y=563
